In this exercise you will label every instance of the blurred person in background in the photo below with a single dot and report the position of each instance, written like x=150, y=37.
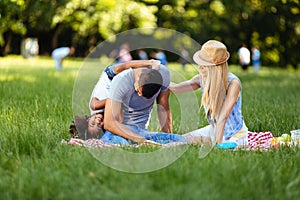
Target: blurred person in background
x=256, y=58
x=60, y=53
x=244, y=57
x=161, y=56
x=142, y=54
x=184, y=55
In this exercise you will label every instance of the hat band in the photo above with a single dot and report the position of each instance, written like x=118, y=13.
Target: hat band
x=215, y=63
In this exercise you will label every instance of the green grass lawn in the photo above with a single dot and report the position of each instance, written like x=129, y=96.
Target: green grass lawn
x=37, y=106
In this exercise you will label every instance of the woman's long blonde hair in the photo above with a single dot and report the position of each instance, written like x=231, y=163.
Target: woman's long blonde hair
x=215, y=88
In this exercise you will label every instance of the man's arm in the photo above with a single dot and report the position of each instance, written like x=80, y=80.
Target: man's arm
x=112, y=122
x=164, y=112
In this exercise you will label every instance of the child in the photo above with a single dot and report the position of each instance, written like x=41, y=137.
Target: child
x=91, y=127
x=87, y=127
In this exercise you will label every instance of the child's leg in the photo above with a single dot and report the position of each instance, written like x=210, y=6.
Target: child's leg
x=111, y=138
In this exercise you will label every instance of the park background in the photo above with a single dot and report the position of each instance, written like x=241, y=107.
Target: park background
x=273, y=25
x=36, y=100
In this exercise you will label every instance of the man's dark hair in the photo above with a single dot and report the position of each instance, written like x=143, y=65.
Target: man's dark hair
x=150, y=81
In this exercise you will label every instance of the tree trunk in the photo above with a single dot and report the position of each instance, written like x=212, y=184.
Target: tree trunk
x=56, y=34
x=6, y=47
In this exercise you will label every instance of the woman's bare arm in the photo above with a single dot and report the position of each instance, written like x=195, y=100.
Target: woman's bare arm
x=231, y=98
x=185, y=86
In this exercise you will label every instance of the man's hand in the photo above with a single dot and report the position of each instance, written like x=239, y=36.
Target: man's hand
x=150, y=143
x=139, y=139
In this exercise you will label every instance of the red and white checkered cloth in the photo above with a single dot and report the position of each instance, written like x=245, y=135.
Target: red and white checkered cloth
x=259, y=141
x=96, y=143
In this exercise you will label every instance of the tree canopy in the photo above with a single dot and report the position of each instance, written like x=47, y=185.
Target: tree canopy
x=273, y=25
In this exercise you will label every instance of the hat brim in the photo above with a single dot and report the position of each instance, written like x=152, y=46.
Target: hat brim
x=202, y=62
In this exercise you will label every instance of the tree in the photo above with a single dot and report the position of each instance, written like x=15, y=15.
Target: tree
x=274, y=25
x=10, y=22
x=93, y=18
x=25, y=17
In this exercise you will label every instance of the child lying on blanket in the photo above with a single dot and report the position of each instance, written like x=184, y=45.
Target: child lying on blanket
x=88, y=127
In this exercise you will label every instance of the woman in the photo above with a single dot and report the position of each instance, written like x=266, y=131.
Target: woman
x=221, y=96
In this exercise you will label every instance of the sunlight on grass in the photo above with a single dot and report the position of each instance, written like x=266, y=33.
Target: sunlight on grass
x=36, y=111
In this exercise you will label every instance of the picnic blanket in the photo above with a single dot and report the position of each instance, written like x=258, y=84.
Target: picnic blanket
x=265, y=141
x=257, y=141
x=96, y=143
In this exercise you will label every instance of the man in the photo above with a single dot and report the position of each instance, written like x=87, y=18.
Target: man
x=101, y=89
x=131, y=98
x=244, y=57
x=86, y=127
x=60, y=53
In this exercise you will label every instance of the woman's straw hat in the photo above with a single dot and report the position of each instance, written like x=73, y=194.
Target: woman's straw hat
x=212, y=53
